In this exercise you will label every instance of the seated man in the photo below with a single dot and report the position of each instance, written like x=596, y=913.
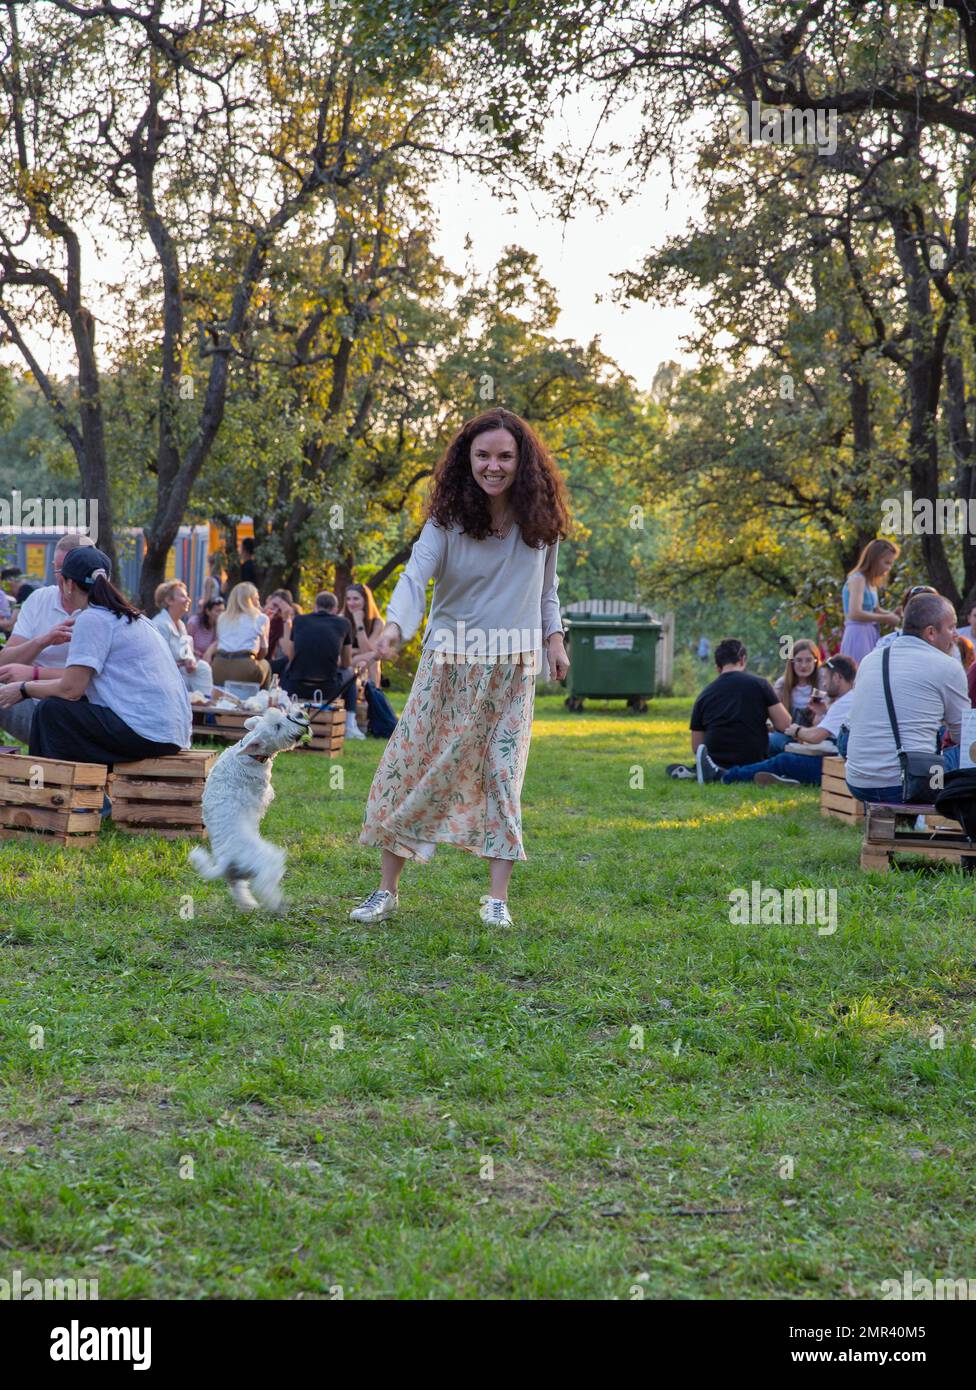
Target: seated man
x=42, y=611
x=319, y=650
x=728, y=722
x=794, y=768
x=928, y=691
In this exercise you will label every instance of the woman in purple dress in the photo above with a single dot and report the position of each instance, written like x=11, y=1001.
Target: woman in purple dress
x=862, y=615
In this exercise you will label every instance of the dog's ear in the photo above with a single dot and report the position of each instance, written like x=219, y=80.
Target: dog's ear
x=253, y=722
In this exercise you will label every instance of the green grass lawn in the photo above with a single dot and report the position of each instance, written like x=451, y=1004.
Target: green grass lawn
x=246, y=1107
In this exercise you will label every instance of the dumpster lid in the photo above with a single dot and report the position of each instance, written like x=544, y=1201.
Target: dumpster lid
x=630, y=617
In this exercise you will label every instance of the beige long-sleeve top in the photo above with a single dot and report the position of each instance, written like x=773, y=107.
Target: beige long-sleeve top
x=493, y=599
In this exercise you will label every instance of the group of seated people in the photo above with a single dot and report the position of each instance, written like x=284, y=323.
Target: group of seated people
x=84, y=675
x=932, y=686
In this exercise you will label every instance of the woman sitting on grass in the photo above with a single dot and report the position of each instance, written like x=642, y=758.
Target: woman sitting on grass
x=795, y=687
x=121, y=696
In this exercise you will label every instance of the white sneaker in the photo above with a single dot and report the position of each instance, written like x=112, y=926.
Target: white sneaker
x=494, y=912
x=352, y=728
x=377, y=906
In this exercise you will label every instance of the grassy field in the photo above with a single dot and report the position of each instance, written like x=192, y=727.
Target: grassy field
x=605, y=1102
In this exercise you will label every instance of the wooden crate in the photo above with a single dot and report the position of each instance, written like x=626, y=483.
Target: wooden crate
x=890, y=829
x=835, y=799
x=328, y=727
x=161, y=796
x=64, y=806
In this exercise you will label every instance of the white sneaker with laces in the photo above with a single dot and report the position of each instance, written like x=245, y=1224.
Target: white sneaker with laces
x=352, y=728
x=494, y=912
x=376, y=907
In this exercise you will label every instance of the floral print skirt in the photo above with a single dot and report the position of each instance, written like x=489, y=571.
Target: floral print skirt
x=453, y=769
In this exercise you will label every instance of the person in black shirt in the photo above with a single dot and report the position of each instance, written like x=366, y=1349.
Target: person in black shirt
x=249, y=570
x=728, y=722
x=319, y=650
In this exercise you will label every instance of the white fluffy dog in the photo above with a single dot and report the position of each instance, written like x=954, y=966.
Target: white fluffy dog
x=237, y=794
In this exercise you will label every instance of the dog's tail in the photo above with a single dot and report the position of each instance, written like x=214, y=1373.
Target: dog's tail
x=204, y=863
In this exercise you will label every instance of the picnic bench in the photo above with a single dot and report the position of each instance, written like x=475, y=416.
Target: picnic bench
x=891, y=828
x=161, y=796
x=328, y=727
x=835, y=799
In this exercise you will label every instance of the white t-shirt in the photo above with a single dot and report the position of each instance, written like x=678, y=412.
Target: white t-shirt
x=802, y=694
x=838, y=713
x=40, y=612
x=928, y=690
x=135, y=675
x=247, y=633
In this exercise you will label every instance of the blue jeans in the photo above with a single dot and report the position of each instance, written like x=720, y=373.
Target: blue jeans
x=777, y=742
x=950, y=758
x=801, y=767
x=876, y=793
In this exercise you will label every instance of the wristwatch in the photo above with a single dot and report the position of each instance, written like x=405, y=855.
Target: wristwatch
x=23, y=691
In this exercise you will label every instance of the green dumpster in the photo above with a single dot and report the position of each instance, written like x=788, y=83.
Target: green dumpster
x=612, y=657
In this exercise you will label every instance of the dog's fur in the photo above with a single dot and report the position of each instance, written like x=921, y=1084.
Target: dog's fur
x=237, y=794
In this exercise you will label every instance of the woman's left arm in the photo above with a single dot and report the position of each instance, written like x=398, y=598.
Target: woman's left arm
x=70, y=686
x=552, y=627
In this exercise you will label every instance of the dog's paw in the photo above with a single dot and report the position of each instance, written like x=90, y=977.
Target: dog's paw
x=243, y=896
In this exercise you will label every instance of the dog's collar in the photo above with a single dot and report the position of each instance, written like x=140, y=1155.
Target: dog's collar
x=259, y=757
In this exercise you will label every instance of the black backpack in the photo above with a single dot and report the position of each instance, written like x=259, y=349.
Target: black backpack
x=381, y=719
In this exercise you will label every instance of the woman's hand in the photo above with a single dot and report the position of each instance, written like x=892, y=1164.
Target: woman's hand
x=15, y=673
x=10, y=694
x=558, y=659
x=388, y=643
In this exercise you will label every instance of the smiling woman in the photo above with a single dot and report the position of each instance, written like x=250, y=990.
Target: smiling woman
x=452, y=772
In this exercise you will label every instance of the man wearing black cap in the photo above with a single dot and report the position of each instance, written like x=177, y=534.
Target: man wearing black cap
x=120, y=696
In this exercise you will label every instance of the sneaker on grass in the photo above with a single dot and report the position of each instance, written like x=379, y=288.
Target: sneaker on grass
x=376, y=907
x=773, y=779
x=708, y=771
x=680, y=771
x=494, y=912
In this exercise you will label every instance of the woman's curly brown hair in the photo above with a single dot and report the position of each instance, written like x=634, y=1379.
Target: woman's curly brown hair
x=537, y=494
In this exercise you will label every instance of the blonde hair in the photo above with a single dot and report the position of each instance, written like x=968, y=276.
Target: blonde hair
x=164, y=592
x=242, y=596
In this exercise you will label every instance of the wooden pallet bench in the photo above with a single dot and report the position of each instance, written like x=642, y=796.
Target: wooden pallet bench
x=889, y=829
x=835, y=799
x=45, y=798
x=161, y=796
x=328, y=727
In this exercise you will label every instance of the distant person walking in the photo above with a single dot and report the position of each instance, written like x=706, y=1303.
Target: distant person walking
x=704, y=648
x=862, y=615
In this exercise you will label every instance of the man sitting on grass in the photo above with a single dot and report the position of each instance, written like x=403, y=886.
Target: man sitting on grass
x=728, y=722
x=928, y=691
x=788, y=768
